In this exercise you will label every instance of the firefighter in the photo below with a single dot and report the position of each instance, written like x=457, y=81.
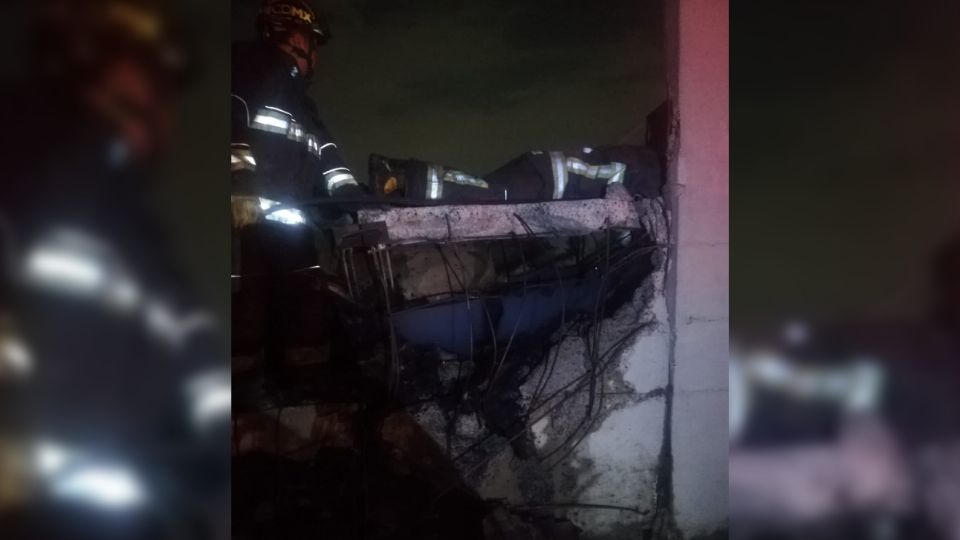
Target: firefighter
x=281, y=151
x=281, y=154
x=115, y=385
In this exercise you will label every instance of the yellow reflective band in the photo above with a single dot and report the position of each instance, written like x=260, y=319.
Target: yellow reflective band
x=613, y=172
x=559, y=165
x=281, y=122
x=458, y=177
x=337, y=178
x=241, y=159
x=617, y=173
x=271, y=123
x=434, y=185
x=279, y=110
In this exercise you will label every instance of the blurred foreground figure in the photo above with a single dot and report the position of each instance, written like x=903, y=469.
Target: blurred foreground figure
x=809, y=450
x=940, y=466
x=114, y=387
x=882, y=458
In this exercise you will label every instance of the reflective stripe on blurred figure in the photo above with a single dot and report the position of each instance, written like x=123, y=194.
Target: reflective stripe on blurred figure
x=940, y=487
x=72, y=263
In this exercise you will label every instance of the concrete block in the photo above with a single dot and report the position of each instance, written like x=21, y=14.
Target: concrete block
x=700, y=449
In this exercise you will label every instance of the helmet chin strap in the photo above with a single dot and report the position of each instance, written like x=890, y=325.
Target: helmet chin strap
x=307, y=57
x=298, y=52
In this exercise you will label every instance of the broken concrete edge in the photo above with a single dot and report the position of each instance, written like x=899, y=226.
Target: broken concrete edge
x=465, y=222
x=647, y=390
x=596, y=482
x=592, y=477
x=663, y=516
x=602, y=471
x=596, y=476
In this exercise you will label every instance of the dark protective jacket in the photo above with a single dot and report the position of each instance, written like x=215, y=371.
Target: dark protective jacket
x=280, y=149
x=119, y=343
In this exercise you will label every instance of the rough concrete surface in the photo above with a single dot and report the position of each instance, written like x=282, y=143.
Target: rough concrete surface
x=473, y=222
x=698, y=180
x=616, y=463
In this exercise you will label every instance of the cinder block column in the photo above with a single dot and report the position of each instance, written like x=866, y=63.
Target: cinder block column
x=697, y=43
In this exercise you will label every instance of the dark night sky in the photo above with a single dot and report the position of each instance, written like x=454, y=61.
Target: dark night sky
x=845, y=156
x=844, y=127
x=472, y=84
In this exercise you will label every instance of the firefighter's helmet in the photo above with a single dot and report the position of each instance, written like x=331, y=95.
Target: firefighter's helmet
x=279, y=17
x=75, y=38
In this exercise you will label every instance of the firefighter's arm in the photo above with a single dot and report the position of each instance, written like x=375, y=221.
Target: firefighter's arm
x=338, y=180
x=243, y=162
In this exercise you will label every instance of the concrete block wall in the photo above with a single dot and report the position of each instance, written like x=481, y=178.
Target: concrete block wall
x=698, y=53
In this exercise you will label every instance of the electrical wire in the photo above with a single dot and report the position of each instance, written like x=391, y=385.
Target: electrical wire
x=578, y=381
x=528, y=425
x=596, y=361
x=452, y=422
x=495, y=372
x=549, y=366
x=593, y=343
x=394, y=371
x=599, y=363
x=580, y=378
